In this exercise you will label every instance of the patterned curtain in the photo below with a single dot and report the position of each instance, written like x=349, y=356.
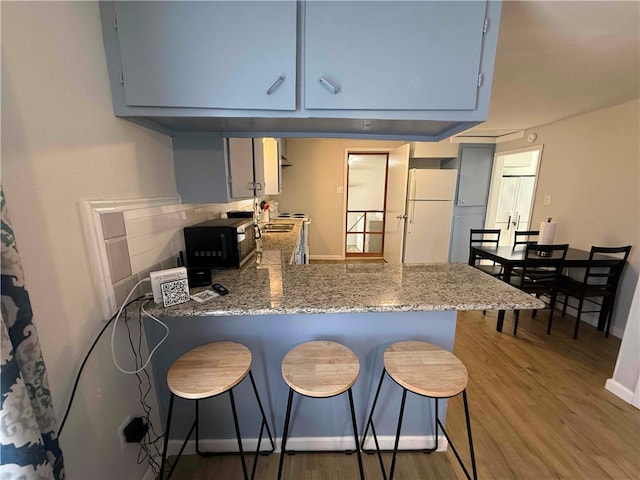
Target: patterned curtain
x=29, y=446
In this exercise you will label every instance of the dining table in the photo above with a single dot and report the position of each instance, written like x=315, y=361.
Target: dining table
x=510, y=257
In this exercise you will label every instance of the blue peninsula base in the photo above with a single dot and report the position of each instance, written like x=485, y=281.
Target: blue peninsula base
x=315, y=424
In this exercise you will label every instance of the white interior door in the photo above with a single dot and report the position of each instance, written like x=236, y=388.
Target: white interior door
x=505, y=216
x=524, y=202
x=397, y=173
x=512, y=192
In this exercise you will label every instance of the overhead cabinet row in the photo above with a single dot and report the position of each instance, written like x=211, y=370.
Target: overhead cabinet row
x=382, y=60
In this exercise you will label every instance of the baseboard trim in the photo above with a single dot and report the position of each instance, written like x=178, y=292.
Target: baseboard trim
x=386, y=442
x=592, y=319
x=619, y=390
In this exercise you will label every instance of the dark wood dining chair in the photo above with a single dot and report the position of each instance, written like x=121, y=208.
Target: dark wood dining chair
x=486, y=238
x=541, y=273
x=598, y=282
x=525, y=237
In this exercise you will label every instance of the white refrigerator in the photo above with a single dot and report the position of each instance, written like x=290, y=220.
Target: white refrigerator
x=430, y=195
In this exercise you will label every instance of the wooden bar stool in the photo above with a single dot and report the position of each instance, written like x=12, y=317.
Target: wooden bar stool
x=207, y=371
x=429, y=371
x=320, y=369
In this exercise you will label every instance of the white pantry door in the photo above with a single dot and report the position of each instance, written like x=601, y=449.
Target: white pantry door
x=395, y=215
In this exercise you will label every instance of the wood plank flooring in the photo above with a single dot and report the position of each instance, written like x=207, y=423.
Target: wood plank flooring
x=539, y=410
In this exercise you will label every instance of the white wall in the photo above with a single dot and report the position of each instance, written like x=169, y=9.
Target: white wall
x=310, y=186
x=60, y=144
x=590, y=167
x=625, y=382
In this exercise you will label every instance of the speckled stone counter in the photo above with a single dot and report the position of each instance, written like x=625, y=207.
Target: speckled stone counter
x=278, y=247
x=274, y=288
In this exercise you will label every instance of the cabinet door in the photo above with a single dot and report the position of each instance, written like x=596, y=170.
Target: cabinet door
x=239, y=152
x=474, y=175
x=462, y=225
x=393, y=55
x=272, y=168
x=239, y=55
x=258, y=167
x=200, y=167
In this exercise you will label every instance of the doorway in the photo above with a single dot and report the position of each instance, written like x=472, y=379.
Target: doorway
x=366, y=204
x=513, y=187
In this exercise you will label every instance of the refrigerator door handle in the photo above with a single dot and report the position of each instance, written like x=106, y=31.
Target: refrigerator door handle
x=412, y=212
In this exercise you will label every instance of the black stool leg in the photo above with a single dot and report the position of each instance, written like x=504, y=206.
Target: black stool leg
x=355, y=434
x=235, y=422
x=436, y=429
x=202, y=454
x=515, y=325
x=453, y=447
x=166, y=437
x=466, y=415
x=283, y=447
x=373, y=429
x=264, y=417
x=395, y=446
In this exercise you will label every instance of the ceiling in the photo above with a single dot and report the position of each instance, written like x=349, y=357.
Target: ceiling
x=558, y=59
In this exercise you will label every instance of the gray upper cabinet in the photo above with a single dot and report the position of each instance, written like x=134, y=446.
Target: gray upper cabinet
x=239, y=55
x=393, y=55
x=474, y=175
x=201, y=168
x=410, y=70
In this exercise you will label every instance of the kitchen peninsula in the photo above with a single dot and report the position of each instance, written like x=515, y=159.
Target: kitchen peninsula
x=274, y=306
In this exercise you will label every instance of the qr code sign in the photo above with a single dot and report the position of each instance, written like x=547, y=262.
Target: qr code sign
x=175, y=292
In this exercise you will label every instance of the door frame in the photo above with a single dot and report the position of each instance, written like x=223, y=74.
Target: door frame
x=345, y=187
x=496, y=181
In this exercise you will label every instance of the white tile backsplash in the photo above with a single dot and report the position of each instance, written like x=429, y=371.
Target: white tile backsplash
x=131, y=237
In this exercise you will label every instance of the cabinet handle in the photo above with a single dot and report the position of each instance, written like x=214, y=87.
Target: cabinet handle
x=258, y=186
x=276, y=83
x=328, y=85
x=251, y=186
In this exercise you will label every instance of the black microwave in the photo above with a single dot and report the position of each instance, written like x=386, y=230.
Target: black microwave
x=219, y=243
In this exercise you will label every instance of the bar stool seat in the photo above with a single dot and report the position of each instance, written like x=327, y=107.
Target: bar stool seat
x=207, y=371
x=320, y=369
x=429, y=371
x=425, y=369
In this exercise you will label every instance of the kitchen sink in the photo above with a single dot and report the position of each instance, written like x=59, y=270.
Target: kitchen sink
x=277, y=227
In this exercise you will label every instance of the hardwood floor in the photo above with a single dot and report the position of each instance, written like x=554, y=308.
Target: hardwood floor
x=538, y=410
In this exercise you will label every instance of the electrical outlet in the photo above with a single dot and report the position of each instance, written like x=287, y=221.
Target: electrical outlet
x=120, y=432
x=547, y=199
x=340, y=190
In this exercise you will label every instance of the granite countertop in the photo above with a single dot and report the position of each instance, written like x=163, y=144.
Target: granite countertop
x=278, y=247
x=275, y=288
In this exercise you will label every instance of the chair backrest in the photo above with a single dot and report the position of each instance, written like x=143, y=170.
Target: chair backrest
x=543, y=263
x=597, y=274
x=483, y=236
x=523, y=237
